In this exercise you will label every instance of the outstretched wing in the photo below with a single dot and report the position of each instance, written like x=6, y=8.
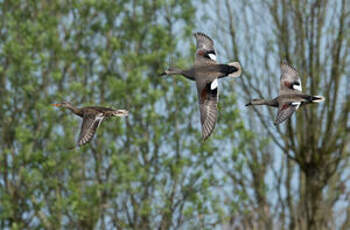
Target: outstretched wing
x=208, y=99
x=88, y=127
x=290, y=81
x=204, y=41
x=285, y=111
x=205, y=52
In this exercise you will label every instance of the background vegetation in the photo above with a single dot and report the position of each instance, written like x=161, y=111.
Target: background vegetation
x=151, y=169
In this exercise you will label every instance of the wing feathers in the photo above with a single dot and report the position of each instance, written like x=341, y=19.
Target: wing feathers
x=204, y=41
x=208, y=99
x=88, y=128
x=285, y=111
x=290, y=80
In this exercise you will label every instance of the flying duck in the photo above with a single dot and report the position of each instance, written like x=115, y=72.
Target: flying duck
x=290, y=95
x=92, y=118
x=205, y=72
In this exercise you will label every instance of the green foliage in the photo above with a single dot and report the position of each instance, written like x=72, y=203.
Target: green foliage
x=148, y=170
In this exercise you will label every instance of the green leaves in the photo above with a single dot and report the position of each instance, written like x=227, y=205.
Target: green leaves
x=147, y=170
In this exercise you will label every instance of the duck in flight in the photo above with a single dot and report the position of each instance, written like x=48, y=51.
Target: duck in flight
x=92, y=118
x=206, y=72
x=290, y=96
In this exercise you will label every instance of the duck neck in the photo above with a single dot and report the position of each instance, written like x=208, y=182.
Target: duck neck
x=264, y=102
x=186, y=73
x=75, y=110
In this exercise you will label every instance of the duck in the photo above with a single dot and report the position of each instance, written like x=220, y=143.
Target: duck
x=92, y=118
x=290, y=96
x=205, y=73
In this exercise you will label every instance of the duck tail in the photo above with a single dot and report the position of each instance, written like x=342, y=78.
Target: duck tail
x=166, y=72
x=120, y=113
x=238, y=67
x=317, y=99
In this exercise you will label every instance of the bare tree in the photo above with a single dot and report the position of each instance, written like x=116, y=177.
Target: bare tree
x=305, y=174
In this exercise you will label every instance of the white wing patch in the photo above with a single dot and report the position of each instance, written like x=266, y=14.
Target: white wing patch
x=214, y=84
x=99, y=118
x=297, y=104
x=298, y=87
x=212, y=56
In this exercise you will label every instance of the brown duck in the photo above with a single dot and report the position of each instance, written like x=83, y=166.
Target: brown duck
x=290, y=96
x=205, y=72
x=92, y=118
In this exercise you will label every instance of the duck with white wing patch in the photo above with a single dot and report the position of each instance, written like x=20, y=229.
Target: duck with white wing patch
x=290, y=96
x=206, y=72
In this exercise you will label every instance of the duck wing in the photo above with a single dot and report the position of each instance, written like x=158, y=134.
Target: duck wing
x=205, y=52
x=88, y=128
x=208, y=98
x=290, y=81
x=285, y=111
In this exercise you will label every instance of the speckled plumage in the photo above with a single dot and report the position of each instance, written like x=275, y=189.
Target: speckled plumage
x=92, y=118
